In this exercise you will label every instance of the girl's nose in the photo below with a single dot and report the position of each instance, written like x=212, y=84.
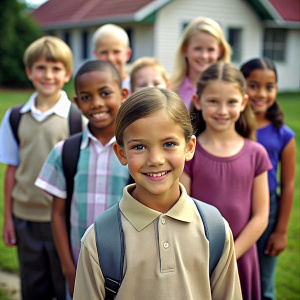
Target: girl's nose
x=155, y=158
x=222, y=109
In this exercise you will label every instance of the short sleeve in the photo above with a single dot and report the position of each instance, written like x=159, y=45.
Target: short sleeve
x=286, y=135
x=262, y=160
x=51, y=178
x=9, y=148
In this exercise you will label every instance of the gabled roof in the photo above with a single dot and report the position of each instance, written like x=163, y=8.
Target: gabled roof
x=278, y=12
x=71, y=13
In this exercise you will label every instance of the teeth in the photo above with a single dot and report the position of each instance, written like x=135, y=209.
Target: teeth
x=156, y=174
x=99, y=115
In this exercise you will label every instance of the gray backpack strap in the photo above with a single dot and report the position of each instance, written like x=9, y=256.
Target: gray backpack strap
x=110, y=247
x=214, y=230
x=14, y=120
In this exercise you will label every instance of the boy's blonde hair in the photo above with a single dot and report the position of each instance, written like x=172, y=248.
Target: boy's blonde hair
x=52, y=48
x=146, y=62
x=148, y=100
x=110, y=30
x=200, y=24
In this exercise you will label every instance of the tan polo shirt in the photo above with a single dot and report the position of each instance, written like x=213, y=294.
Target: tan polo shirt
x=166, y=256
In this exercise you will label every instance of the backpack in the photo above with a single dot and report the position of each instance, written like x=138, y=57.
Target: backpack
x=75, y=123
x=110, y=242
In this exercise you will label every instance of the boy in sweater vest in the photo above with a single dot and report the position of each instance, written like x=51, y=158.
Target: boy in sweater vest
x=44, y=122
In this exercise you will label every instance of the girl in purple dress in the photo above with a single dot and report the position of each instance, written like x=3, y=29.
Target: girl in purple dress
x=229, y=169
x=279, y=140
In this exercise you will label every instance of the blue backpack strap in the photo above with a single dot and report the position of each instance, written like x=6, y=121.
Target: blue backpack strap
x=110, y=247
x=214, y=230
x=14, y=120
x=75, y=119
x=70, y=157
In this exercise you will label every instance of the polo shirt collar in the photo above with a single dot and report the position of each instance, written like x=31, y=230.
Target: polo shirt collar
x=61, y=108
x=140, y=216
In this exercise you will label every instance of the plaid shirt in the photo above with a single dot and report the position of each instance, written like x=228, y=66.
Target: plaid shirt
x=98, y=183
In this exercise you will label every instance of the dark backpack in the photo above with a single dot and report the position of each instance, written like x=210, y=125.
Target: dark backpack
x=110, y=243
x=75, y=121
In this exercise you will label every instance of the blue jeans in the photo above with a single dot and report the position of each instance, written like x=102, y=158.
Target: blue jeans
x=268, y=263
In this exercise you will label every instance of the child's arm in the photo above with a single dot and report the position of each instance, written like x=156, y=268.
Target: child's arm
x=9, y=235
x=185, y=179
x=278, y=239
x=259, y=215
x=62, y=243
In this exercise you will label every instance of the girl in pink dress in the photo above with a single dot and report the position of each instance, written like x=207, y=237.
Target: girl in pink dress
x=202, y=44
x=229, y=170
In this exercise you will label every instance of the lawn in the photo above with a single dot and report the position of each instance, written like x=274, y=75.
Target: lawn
x=288, y=274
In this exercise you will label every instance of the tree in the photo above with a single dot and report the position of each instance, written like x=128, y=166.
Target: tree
x=17, y=31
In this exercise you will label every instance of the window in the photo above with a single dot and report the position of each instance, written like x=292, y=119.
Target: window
x=84, y=44
x=275, y=44
x=67, y=38
x=234, y=39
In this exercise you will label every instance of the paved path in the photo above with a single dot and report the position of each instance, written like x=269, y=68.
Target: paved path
x=10, y=283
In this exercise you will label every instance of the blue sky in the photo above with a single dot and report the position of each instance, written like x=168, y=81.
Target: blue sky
x=35, y=3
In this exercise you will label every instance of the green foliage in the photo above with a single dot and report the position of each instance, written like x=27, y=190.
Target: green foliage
x=17, y=31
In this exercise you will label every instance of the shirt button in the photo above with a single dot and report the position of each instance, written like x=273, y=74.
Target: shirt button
x=163, y=221
x=166, y=245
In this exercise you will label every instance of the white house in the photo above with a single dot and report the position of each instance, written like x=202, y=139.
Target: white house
x=254, y=28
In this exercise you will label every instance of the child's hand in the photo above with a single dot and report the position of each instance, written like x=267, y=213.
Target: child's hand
x=9, y=235
x=276, y=244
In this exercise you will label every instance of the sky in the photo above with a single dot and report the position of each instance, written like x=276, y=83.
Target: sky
x=35, y=3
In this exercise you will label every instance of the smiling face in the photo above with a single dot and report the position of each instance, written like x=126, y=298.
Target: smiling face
x=261, y=89
x=155, y=151
x=48, y=77
x=99, y=97
x=113, y=50
x=149, y=76
x=202, y=51
x=221, y=104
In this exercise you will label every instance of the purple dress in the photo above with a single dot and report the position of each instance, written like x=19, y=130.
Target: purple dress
x=226, y=183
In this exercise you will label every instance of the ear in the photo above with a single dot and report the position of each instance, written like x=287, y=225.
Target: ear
x=128, y=53
x=95, y=53
x=243, y=106
x=68, y=76
x=76, y=100
x=190, y=149
x=120, y=152
x=28, y=73
x=124, y=94
x=196, y=102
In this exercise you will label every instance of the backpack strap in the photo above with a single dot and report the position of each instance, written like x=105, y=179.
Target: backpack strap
x=214, y=230
x=75, y=119
x=14, y=120
x=70, y=156
x=111, y=249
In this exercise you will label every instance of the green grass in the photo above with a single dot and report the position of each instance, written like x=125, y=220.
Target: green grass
x=288, y=274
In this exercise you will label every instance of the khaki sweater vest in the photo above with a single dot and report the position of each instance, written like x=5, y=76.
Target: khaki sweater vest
x=36, y=141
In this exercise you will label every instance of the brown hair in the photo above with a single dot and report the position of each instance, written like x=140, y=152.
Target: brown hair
x=146, y=101
x=226, y=72
x=50, y=47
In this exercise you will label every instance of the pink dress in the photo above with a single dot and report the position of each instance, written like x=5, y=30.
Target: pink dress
x=186, y=91
x=226, y=183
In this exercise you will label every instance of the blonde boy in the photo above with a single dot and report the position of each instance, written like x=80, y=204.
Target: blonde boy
x=147, y=72
x=43, y=122
x=111, y=43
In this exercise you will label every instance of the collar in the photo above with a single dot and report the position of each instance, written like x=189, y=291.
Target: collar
x=88, y=137
x=141, y=216
x=61, y=108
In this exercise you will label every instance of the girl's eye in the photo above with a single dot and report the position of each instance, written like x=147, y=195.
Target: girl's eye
x=212, y=101
x=232, y=102
x=138, y=147
x=169, y=144
x=270, y=88
x=252, y=86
